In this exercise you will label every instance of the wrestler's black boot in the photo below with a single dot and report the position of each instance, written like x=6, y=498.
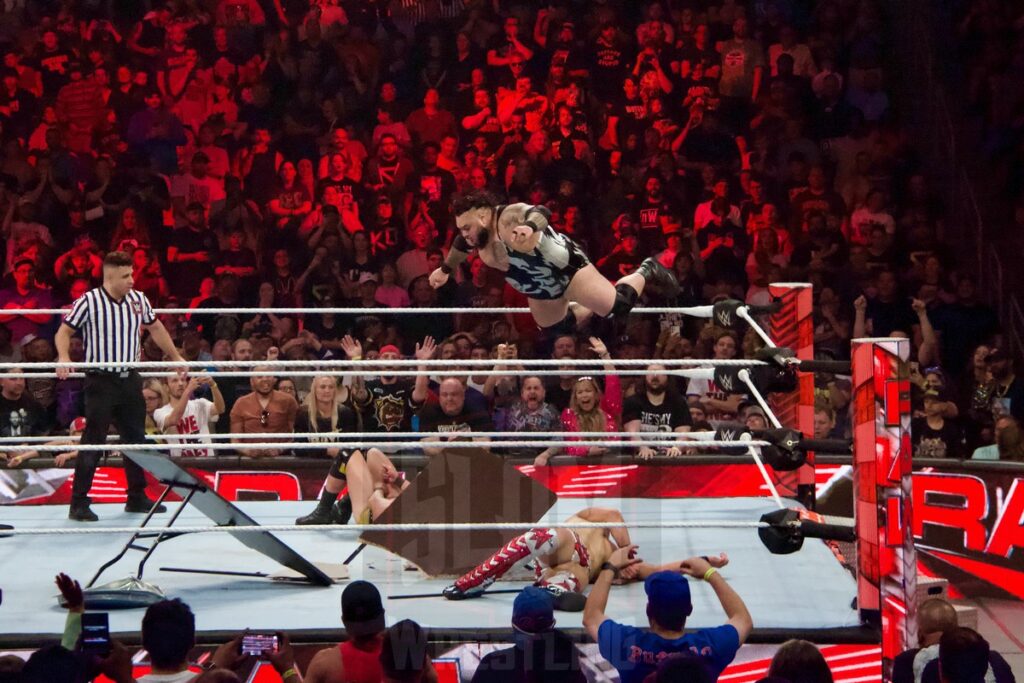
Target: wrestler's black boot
x=659, y=278
x=341, y=511
x=453, y=592
x=322, y=513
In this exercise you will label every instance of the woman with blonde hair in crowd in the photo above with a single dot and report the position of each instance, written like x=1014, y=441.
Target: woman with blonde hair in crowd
x=154, y=393
x=325, y=410
x=591, y=409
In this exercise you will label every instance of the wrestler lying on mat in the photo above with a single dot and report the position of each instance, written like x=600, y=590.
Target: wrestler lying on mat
x=545, y=265
x=566, y=561
x=373, y=484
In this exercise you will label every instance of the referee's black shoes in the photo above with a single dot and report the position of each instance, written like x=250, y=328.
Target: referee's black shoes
x=81, y=512
x=142, y=504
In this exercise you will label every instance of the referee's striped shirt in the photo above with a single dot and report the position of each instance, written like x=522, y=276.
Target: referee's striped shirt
x=111, y=330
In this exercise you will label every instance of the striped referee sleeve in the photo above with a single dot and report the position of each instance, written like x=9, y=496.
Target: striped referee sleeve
x=148, y=316
x=79, y=313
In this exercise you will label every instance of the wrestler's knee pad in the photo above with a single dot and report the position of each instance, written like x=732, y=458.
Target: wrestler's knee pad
x=338, y=465
x=541, y=541
x=625, y=300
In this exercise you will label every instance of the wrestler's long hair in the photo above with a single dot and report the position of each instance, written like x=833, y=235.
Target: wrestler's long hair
x=593, y=420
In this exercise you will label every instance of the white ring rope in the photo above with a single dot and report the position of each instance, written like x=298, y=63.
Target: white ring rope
x=696, y=311
x=421, y=526
x=346, y=436
x=482, y=363
x=430, y=440
x=365, y=374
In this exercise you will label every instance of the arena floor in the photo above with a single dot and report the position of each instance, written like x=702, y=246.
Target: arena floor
x=806, y=590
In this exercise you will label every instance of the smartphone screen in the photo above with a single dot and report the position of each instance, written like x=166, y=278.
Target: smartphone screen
x=96, y=633
x=258, y=643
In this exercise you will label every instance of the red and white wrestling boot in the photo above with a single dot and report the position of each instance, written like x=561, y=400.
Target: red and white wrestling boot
x=534, y=543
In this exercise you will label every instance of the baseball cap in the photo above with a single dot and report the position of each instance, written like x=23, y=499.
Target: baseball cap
x=77, y=425
x=753, y=409
x=668, y=594
x=367, y=277
x=361, y=609
x=533, y=610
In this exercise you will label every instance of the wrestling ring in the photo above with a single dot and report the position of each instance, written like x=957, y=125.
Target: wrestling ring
x=857, y=586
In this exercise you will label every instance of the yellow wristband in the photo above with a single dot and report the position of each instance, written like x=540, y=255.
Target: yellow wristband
x=289, y=673
x=356, y=358
x=709, y=573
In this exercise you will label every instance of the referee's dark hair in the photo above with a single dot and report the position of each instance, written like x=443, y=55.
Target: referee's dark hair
x=117, y=259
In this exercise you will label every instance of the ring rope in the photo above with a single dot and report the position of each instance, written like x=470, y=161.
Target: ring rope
x=190, y=441
x=419, y=526
x=435, y=310
x=346, y=436
x=483, y=363
x=639, y=372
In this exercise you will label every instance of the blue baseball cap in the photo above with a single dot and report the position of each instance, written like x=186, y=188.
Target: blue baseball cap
x=533, y=610
x=668, y=594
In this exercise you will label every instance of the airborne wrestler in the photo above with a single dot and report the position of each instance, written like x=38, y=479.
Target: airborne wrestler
x=545, y=265
x=566, y=561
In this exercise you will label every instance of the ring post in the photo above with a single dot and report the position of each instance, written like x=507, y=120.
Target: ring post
x=887, y=561
x=793, y=327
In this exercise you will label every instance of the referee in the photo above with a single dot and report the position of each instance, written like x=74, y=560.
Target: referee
x=110, y=319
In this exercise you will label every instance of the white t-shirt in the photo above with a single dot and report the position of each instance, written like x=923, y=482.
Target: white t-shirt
x=194, y=421
x=863, y=220
x=208, y=191
x=706, y=388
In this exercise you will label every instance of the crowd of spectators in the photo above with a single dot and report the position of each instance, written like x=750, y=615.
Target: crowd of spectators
x=371, y=651
x=271, y=153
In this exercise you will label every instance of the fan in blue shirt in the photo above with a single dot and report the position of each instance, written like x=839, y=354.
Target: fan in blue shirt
x=636, y=652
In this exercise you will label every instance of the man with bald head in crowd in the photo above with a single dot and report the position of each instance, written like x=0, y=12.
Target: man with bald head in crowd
x=264, y=411
x=450, y=416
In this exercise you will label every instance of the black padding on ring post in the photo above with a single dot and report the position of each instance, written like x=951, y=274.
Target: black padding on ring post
x=788, y=528
x=781, y=538
x=724, y=313
x=836, y=367
x=731, y=432
x=766, y=378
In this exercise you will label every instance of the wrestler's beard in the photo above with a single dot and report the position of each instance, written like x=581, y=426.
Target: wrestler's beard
x=657, y=391
x=482, y=238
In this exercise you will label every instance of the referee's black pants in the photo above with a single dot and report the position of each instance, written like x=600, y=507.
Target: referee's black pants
x=110, y=398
